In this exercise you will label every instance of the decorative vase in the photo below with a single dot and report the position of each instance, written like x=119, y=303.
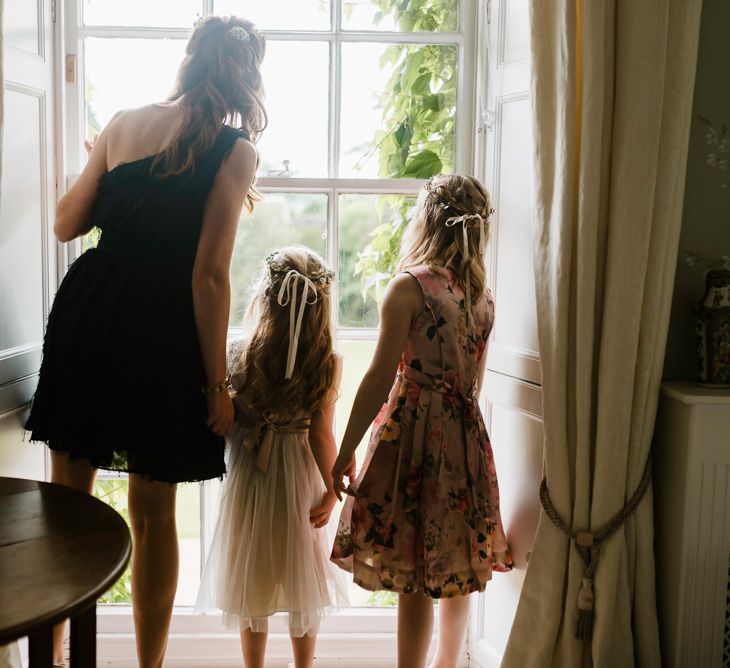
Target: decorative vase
x=712, y=329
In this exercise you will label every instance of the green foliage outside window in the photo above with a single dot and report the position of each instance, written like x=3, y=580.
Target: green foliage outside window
x=114, y=492
x=417, y=137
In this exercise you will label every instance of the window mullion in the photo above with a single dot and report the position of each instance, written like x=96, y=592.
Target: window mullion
x=481, y=58
x=75, y=109
x=333, y=252
x=335, y=88
x=374, y=186
x=466, y=93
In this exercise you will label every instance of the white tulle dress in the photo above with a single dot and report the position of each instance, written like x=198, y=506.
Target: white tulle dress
x=266, y=556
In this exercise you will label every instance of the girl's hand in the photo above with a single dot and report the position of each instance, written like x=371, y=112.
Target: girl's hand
x=344, y=466
x=320, y=515
x=220, y=413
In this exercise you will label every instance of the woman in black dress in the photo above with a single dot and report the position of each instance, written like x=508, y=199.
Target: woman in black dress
x=134, y=360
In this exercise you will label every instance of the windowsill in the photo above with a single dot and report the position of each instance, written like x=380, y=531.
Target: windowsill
x=351, y=637
x=117, y=619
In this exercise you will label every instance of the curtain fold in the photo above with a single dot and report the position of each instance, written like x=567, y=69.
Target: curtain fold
x=611, y=102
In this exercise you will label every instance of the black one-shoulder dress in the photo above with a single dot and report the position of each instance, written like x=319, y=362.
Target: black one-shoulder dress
x=122, y=368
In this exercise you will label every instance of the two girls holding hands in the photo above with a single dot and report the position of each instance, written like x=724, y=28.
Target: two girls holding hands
x=422, y=518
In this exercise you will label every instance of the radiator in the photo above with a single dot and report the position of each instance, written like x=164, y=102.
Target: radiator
x=691, y=458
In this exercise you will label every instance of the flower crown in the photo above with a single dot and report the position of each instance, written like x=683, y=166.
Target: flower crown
x=450, y=204
x=324, y=278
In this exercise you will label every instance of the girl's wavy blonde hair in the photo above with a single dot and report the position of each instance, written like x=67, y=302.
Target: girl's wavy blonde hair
x=429, y=240
x=262, y=365
x=218, y=81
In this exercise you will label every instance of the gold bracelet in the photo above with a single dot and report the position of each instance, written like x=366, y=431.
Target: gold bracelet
x=210, y=390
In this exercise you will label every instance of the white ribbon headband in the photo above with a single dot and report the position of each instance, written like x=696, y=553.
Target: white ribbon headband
x=464, y=220
x=288, y=296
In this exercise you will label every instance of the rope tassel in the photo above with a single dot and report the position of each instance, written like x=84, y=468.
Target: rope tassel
x=588, y=546
x=585, y=610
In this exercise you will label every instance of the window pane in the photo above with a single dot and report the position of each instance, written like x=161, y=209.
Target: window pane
x=409, y=16
x=282, y=219
x=119, y=75
x=356, y=359
x=398, y=110
x=160, y=13
x=357, y=356
x=370, y=232
x=296, y=76
x=188, y=534
x=114, y=492
x=279, y=15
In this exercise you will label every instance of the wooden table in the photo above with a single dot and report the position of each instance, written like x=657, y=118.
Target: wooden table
x=60, y=549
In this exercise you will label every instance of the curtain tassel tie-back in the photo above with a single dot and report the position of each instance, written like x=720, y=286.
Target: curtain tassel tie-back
x=588, y=545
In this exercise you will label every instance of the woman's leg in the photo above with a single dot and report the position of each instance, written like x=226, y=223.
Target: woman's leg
x=79, y=474
x=303, y=649
x=253, y=644
x=154, y=565
x=453, y=618
x=415, y=628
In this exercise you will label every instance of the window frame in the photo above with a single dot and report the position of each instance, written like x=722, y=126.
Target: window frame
x=470, y=145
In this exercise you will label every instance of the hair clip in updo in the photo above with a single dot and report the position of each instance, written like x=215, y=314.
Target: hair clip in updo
x=239, y=34
x=326, y=277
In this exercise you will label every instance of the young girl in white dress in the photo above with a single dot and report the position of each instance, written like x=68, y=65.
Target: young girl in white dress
x=270, y=551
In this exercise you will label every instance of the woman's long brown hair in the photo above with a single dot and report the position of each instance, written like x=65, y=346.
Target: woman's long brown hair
x=259, y=373
x=219, y=81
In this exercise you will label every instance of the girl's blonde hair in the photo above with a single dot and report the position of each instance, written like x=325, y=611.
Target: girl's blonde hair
x=219, y=80
x=262, y=366
x=433, y=239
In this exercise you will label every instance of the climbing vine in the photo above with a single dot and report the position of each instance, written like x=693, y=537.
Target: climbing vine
x=417, y=136
x=114, y=492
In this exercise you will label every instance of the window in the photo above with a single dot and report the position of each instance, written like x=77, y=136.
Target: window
x=366, y=99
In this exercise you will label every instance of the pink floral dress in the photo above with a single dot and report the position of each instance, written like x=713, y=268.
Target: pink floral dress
x=425, y=514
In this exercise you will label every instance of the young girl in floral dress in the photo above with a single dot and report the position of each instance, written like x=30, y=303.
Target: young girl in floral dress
x=270, y=549
x=422, y=518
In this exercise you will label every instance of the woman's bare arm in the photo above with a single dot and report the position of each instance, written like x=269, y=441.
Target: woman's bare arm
x=211, y=282
x=73, y=211
x=402, y=302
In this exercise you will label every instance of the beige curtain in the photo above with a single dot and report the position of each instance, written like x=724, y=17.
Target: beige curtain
x=612, y=101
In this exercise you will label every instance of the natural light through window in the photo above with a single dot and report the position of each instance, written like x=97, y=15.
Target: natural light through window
x=365, y=103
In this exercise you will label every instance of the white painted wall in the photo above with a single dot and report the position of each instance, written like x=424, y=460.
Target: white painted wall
x=27, y=204
x=19, y=458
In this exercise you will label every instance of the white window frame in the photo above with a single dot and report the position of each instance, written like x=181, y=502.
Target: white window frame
x=372, y=626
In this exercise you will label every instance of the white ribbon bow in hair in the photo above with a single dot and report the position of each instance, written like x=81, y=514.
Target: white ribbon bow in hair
x=288, y=295
x=464, y=220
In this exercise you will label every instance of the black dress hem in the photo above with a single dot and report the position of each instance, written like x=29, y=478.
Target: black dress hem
x=103, y=463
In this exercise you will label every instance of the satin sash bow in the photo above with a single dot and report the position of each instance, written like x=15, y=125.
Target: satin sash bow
x=260, y=437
